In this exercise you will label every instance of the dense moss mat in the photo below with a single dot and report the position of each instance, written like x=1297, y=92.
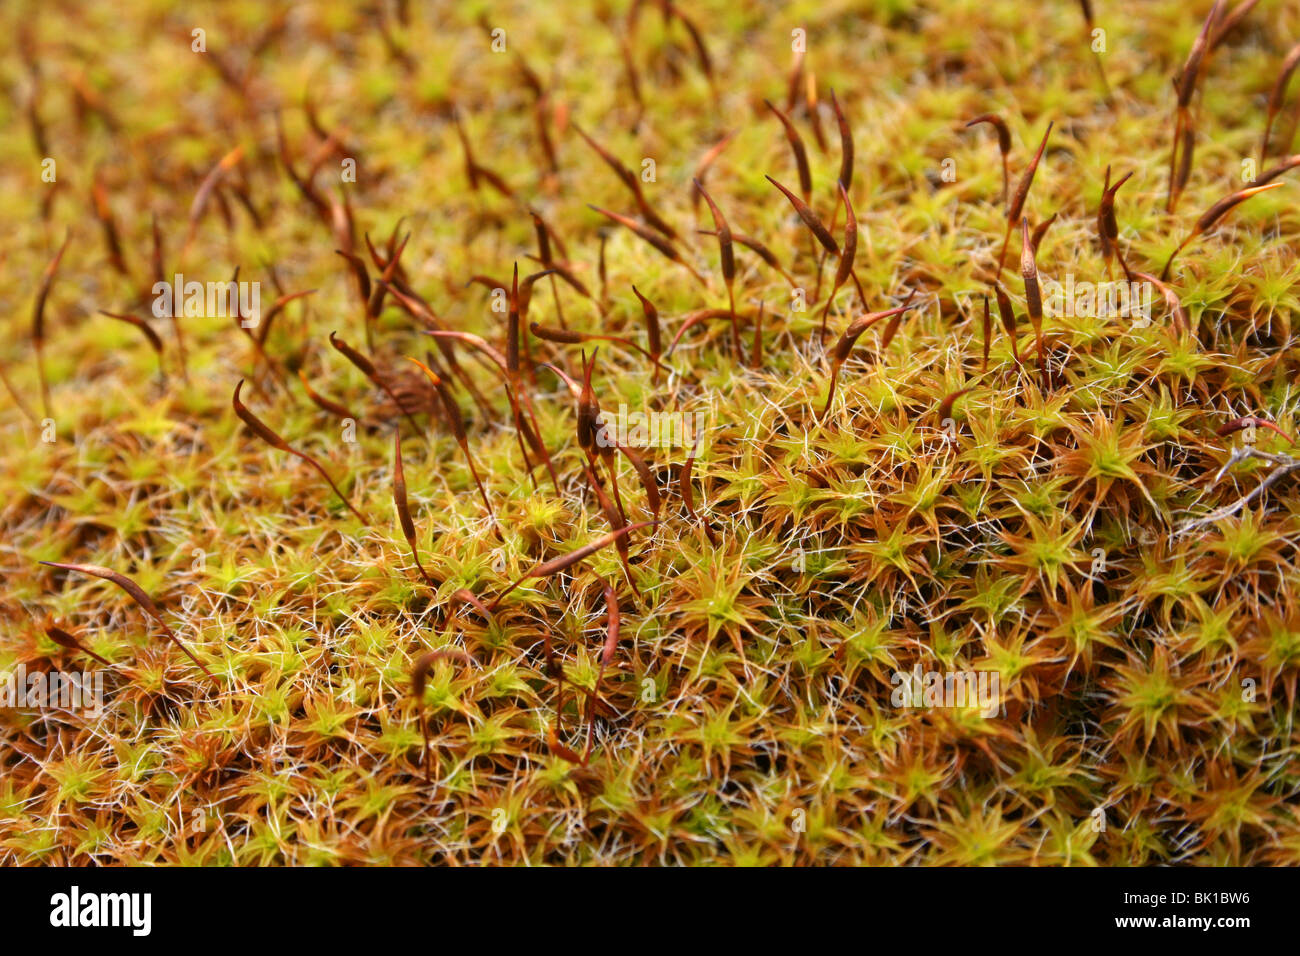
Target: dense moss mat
x=1072, y=530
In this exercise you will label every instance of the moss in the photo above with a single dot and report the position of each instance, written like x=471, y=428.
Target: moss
x=1082, y=530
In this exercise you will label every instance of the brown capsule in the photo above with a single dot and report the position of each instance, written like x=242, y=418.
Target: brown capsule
x=1004, y=145
x=156, y=248
x=305, y=188
x=104, y=213
x=999, y=126
x=1231, y=22
x=625, y=175
x=632, y=182
x=723, y=232
x=662, y=245
x=61, y=637
x=1211, y=216
x=359, y=273
x=1027, y=179
x=368, y=369
x=1029, y=270
x=629, y=65
x=454, y=417
x=403, y=508
x=1278, y=96
x=471, y=168
x=376, y=304
x=647, y=481
x=849, y=254
x=567, y=337
x=275, y=441
x=399, y=493
x=205, y=190
x=588, y=407
x=727, y=255
x=891, y=329
x=651, y=324
x=799, y=151
x=1033, y=296
x=1248, y=421
x=567, y=274
x=697, y=39
x=845, y=267
x=138, y=595
x=38, y=319
x=1007, y=316
x=810, y=218
x=457, y=423
x=1288, y=164
x=846, y=144
x=276, y=308
x=1040, y=231
x=1185, y=83
x=258, y=428
x=543, y=239
x=154, y=341
x=693, y=319
x=334, y=408
x=512, y=325
x=1021, y=194
x=566, y=561
x=562, y=336
x=756, y=247
x=844, y=346
x=945, y=407
x=1107, y=226
x=1180, y=159
x=364, y=364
